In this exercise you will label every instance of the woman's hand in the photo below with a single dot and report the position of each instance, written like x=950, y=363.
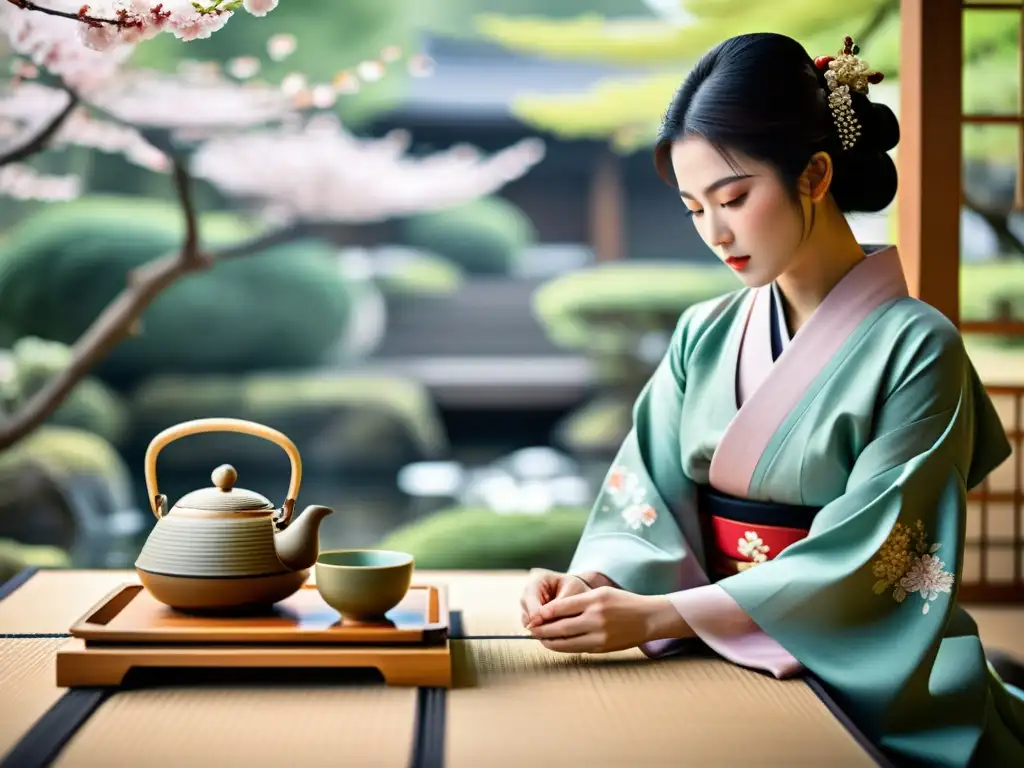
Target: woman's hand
x=605, y=619
x=546, y=586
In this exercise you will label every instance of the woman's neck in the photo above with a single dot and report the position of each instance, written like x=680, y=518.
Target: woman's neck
x=822, y=262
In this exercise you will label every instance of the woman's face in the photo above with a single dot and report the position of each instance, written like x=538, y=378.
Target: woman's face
x=746, y=217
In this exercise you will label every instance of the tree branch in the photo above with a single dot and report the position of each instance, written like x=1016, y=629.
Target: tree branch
x=117, y=321
x=1000, y=225
x=121, y=318
x=183, y=184
x=28, y=5
x=38, y=142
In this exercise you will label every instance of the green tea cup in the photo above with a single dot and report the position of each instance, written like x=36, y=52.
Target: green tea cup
x=363, y=584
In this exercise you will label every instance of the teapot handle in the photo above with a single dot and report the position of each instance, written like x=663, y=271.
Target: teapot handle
x=197, y=426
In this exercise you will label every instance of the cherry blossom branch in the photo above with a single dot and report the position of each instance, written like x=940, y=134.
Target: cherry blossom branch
x=38, y=142
x=122, y=317
x=28, y=5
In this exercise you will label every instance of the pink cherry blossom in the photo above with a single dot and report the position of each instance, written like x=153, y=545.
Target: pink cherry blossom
x=198, y=26
x=318, y=171
x=28, y=107
x=23, y=182
x=259, y=7
x=198, y=101
x=57, y=45
x=281, y=46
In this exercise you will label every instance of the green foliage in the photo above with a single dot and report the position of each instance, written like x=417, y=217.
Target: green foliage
x=282, y=308
x=989, y=288
x=338, y=419
x=456, y=17
x=479, y=539
x=425, y=274
x=483, y=236
x=627, y=110
x=624, y=297
x=652, y=42
x=15, y=557
x=70, y=452
x=90, y=406
x=598, y=427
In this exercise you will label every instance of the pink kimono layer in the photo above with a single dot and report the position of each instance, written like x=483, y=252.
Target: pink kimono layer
x=767, y=390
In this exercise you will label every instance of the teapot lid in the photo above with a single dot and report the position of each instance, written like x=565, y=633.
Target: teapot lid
x=223, y=497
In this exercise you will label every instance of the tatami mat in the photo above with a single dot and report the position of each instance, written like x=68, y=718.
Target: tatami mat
x=368, y=726
x=489, y=603
x=27, y=685
x=51, y=601
x=518, y=704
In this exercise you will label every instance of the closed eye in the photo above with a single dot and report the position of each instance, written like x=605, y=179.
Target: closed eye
x=734, y=203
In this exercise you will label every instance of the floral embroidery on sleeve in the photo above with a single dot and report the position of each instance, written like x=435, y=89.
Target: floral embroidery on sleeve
x=908, y=564
x=628, y=493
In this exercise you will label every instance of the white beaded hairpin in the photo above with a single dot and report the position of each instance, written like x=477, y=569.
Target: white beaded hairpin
x=846, y=72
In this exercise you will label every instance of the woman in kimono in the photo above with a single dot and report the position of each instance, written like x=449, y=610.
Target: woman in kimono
x=793, y=490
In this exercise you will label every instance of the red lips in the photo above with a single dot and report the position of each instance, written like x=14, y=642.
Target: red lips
x=737, y=262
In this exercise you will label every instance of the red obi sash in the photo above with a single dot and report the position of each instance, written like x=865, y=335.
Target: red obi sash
x=741, y=533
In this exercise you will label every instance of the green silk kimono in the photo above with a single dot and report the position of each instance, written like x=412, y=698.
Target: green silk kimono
x=873, y=418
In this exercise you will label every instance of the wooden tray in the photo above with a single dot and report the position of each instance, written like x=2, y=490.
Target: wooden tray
x=129, y=614
x=82, y=665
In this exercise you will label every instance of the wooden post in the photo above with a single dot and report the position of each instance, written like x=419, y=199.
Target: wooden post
x=929, y=153
x=607, y=208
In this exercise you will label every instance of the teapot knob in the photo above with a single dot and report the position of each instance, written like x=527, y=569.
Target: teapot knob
x=224, y=477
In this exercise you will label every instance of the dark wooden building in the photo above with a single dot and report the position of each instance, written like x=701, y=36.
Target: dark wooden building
x=581, y=192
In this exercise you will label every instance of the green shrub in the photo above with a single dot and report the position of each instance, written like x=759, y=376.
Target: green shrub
x=91, y=406
x=484, y=237
x=15, y=556
x=67, y=452
x=598, y=427
x=604, y=308
x=425, y=274
x=479, y=539
x=337, y=420
x=282, y=308
x=988, y=289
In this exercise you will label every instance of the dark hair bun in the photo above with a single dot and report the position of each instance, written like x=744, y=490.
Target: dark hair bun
x=864, y=178
x=879, y=128
x=762, y=95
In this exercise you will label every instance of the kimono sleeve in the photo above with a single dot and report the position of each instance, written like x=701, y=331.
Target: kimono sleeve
x=633, y=535
x=867, y=602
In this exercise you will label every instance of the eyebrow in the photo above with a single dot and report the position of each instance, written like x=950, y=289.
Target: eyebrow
x=716, y=185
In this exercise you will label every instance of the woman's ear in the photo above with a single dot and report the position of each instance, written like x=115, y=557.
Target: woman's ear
x=817, y=177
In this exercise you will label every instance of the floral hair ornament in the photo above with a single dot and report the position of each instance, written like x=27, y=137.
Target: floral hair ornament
x=846, y=72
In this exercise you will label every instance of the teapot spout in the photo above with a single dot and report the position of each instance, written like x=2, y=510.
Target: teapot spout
x=298, y=545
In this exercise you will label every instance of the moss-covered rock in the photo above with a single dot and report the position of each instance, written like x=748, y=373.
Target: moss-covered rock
x=483, y=237
x=91, y=406
x=284, y=307
x=337, y=420
x=479, y=539
x=69, y=452
x=57, y=483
